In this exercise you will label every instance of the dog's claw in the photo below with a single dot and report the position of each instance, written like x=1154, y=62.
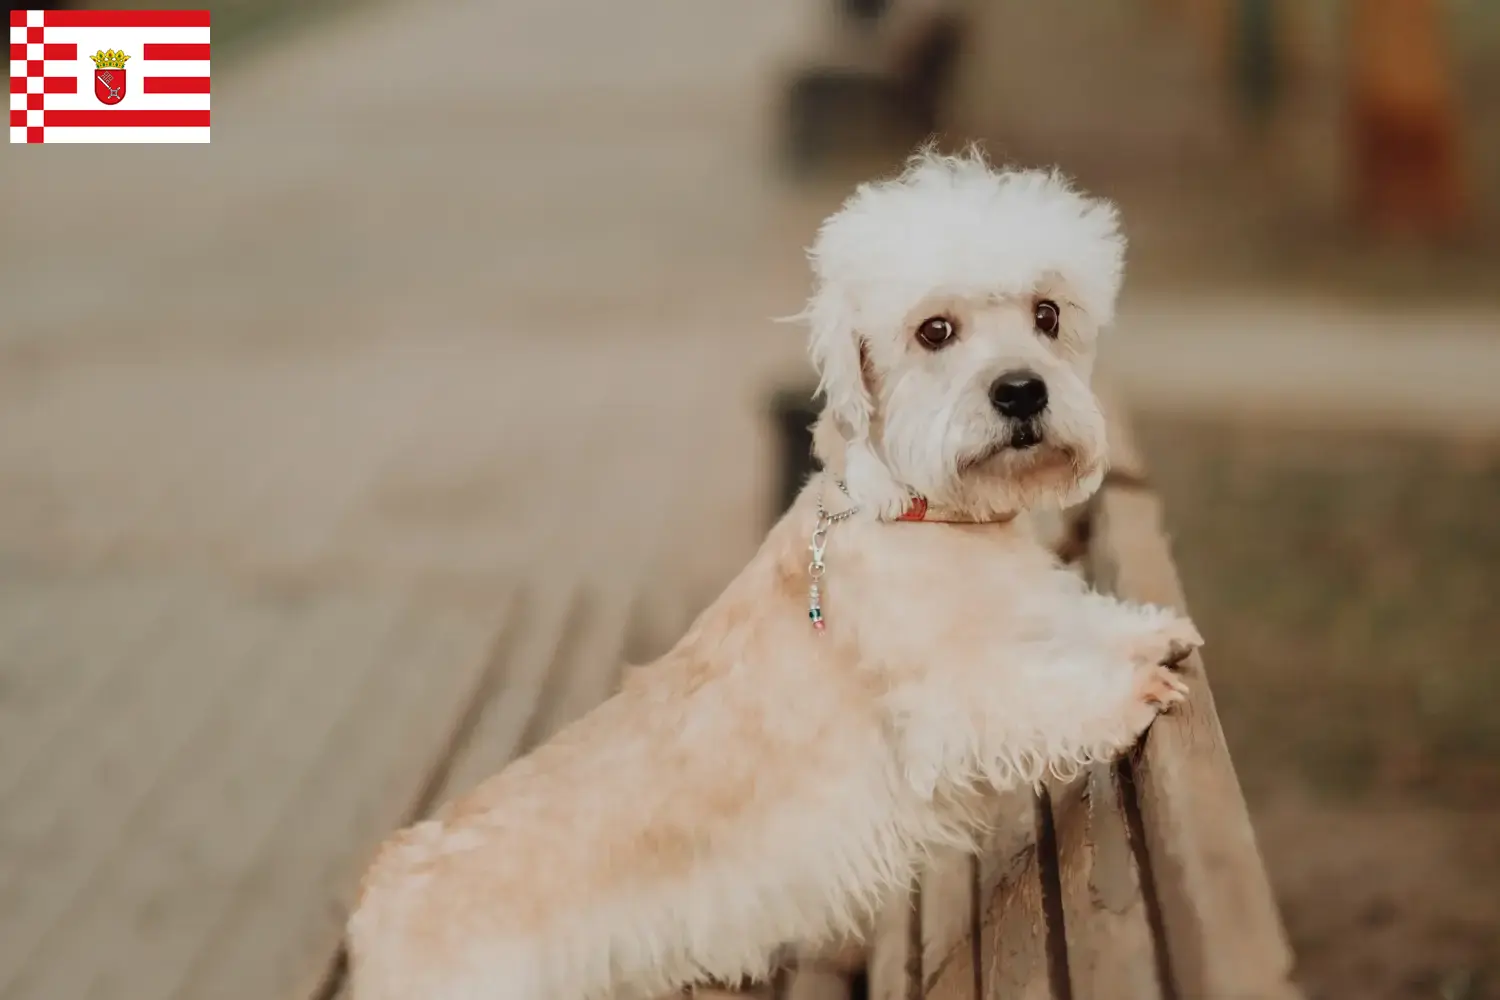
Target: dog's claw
x=1162, y=688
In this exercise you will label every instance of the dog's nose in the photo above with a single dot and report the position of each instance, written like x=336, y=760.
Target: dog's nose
x=1019, y=395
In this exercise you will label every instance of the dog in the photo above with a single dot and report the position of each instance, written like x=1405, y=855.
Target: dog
x=899, y=648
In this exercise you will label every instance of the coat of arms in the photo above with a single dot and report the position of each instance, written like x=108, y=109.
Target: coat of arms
x=109, y=75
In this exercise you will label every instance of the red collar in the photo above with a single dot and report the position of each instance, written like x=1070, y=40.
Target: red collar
x=917, y=509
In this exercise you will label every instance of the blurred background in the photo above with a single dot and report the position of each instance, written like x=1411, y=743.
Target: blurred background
x=347, y=456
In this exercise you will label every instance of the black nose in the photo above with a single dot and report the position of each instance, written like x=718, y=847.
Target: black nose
x=1019, y=395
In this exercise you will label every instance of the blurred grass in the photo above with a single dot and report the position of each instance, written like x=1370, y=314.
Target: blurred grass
x=1346, y=583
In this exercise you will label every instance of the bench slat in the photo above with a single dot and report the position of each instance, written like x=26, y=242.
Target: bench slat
x=1013, y=940
x=1110, y=949
x=1224, y=936
x=895, y=970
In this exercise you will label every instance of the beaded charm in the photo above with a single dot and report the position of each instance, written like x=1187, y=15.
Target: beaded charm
x=815, y=570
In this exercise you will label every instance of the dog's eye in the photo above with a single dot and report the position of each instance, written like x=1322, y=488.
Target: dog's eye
x=935, y=332
x=1046, y=316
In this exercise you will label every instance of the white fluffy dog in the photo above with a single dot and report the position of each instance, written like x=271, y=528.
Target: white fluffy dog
x=829, y=720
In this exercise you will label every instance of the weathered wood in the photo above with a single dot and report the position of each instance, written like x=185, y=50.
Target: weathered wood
x=500, y=730
x=1003, y=952
x=1013, y=941
x=184, y=840
x=493, y=720
x=809, y=980
x=1224, y=936
x=895, y=949
x=955, y=887
x=343, y=803
x=1111, y=953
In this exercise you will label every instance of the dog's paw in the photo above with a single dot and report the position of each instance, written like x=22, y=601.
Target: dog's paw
x=1157, y=688
x=1167, y=645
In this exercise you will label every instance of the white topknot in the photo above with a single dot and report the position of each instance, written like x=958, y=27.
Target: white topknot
x=956, y=225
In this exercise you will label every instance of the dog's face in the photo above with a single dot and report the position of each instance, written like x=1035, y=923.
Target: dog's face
x=954, y=328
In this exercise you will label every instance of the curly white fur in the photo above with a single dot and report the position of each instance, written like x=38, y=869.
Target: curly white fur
x=764, y=784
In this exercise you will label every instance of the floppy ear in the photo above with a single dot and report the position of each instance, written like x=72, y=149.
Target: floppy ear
x=835, y=348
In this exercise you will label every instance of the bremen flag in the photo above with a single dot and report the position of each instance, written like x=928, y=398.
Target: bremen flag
x=109, y=76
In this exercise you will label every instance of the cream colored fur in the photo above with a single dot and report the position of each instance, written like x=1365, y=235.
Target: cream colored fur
x=763, y=783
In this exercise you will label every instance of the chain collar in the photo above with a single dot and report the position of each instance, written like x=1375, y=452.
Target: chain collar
x=815, y=568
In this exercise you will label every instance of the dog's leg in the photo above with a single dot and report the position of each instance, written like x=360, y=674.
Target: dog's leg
x=1077, y=689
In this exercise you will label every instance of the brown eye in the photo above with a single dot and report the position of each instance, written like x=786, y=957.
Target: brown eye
x=935, y=332
x=1046, y=316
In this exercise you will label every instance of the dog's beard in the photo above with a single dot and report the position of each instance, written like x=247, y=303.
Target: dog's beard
x=1026, y=463
x=1018, y=447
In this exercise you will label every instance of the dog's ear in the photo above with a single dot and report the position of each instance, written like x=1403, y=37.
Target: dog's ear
x=837, y=354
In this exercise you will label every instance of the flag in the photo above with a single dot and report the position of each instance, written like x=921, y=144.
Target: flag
x=109, y=76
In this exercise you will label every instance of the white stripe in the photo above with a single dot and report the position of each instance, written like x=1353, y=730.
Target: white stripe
x=135, y=99
x=124, y=134
x=18, y=68
x=165, y=67
x=17, y=102
x=17, y=34
x=129, y=39
x=17, y=134
x=34, y=18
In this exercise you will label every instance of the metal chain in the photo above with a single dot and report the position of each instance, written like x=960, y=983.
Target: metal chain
x=816, y=569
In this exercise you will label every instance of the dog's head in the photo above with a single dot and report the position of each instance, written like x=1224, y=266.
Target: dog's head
x=953, y=326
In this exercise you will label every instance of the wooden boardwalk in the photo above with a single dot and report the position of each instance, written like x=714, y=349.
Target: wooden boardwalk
x=398, y=421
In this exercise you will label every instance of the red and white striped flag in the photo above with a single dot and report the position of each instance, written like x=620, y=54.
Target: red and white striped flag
x=109, y=76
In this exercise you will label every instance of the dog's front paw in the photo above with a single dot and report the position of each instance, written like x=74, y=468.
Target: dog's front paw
x=1167, y=645
x=1157, y=688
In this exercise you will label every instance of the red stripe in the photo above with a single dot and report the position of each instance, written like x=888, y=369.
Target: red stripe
x=18, y=19
x=176, y=85
x=17, y=119
x=104, y=118
x=124, y=19
x=60, y=50
x=17, y=51
x=18, y=85
x=60, y=85
x=176, y=52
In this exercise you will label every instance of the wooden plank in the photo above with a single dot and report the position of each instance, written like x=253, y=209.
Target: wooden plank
x=501, y=725
x=807, y=980
x=289, y=905
x=66, y=820
x=67, y=650
x=955, y=886
x=895, y=968
x=1224, y=936
x=575, y=664
x=950, y=894
x=496, y=726
x=1003, y=951
x=1013, y=940
x=1110, y=949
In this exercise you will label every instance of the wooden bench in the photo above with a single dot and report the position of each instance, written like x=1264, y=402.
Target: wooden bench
x=1140, y=879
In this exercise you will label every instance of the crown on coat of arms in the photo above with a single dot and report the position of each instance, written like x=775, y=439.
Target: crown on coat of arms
x=109, y=58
